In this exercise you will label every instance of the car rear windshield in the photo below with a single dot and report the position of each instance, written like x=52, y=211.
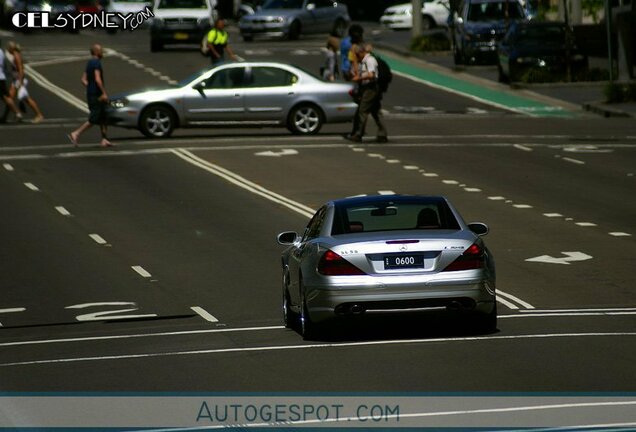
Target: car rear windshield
x=494, y=11
x=392, y=216
x=541, y=34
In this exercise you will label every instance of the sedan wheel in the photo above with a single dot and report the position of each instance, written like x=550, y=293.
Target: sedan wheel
x=157, y=122
x=305, y=120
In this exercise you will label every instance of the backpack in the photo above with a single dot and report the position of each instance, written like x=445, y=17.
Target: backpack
x=205, y=50
x=385, y=75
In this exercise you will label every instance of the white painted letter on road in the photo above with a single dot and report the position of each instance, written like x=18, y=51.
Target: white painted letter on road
x=283, y=152
x=569, y=257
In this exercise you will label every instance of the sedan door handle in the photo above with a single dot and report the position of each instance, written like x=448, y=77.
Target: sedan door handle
x=237, y=95
x=290, y=94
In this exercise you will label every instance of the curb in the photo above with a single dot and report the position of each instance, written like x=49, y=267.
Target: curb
x=600, y=109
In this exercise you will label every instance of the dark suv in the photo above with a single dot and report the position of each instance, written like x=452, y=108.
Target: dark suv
x=480, y=25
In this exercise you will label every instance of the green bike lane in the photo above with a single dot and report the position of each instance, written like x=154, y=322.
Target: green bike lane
x=473, y=89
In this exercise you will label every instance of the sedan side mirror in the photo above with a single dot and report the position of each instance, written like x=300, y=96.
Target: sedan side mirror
x=287, y=238
x=200, y=87
x=479, y=228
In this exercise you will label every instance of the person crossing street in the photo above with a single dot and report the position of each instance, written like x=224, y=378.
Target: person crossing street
x=218, y=43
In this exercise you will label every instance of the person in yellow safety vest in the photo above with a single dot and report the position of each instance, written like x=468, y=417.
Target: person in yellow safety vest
x=218, y=43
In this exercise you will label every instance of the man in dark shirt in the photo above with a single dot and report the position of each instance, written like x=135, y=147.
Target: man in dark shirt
x=97, y=98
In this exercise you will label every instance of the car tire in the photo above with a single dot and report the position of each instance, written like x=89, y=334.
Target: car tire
x=485, y=323
x=306, y=326
x=155, y=45
x=305, y=119
x=157, y=121
x=427, y=22
x=290, y=320
x=340, y=28
x=294, y=31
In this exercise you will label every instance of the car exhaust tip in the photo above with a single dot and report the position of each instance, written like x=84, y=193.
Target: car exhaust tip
x=357, y=309
x=455, y=306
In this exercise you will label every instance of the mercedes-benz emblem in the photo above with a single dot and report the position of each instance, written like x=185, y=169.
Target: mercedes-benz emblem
x=404, y=248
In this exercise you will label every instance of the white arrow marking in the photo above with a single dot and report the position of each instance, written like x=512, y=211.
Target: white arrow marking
x=570, y=257
x=283, y=152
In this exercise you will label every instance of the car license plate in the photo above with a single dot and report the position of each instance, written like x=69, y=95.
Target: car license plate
x=181, y=36
x=403, y=261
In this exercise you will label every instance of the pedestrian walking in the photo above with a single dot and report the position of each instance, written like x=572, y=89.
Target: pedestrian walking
x=330, y=69
x=96, y=96
x=4, y=91
x=348, y=59
x=18, y=88
x=370, y=96
x=218, y=43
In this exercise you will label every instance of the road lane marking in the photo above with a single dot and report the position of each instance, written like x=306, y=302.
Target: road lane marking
x=450, y=182
x=244, y=183
x=204, y=314
x=522, y=147
x=579, y=310
x=11, y=310
x=552, y=215
x=263, y=349
x=569, y=257
x=141, y=271
x=522, y=206
x=514, y=298
x=472, y=189
x=411, y=167
x=506, y=303
x=386, y=192
x=7, y=167
x=58, y=91
x=620, y=234
x=61, y=210
x=497, y=198
x=586, y=224
x=140, y=335
x=574, y=161
x=98, y=239
x=33, y=187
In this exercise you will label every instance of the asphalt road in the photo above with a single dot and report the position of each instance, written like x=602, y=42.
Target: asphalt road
x=154, y=267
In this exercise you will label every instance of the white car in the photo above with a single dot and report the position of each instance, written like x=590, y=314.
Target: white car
x=434, y=13
x=125, y=7
x=180, y=21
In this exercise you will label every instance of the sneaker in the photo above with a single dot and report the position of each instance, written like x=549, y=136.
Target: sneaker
x=18, y=117
x=354, y=138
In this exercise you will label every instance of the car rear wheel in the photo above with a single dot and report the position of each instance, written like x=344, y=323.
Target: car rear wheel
x=307, y=326
x=294, y=31
x=157, y=121
x=290, y=319
x=305, y=119
x=427, y=22
x=485, y=323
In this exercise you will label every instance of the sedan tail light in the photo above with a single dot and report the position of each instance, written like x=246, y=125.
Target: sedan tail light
x=471, y=259
x=332, y=264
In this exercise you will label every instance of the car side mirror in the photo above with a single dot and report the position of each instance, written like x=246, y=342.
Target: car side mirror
x=479, y=228
x=287, y=238
x=311, y=6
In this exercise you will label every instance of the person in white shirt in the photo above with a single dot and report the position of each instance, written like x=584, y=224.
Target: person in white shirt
x=4, y=93
x=370, y=96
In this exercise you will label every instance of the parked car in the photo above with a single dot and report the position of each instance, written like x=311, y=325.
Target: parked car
x=386, y=253
x=180, y=21
x=248, y=8
x=434, y=13
x=547, y=46
x=291, y=18
x=479, y=25
x=237, y=93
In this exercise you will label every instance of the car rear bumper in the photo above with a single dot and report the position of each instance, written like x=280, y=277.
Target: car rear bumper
x=324, y=303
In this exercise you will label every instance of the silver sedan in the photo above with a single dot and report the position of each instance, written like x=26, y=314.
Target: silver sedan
x=395, y=253
x=237, y=93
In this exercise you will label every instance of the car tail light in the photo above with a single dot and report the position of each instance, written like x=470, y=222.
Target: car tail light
x=471, y=259
x=332, y=264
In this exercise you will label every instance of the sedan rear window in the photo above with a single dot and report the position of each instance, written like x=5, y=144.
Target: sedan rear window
x=391, y=216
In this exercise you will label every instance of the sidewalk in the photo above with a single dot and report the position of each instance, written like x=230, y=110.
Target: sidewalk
x=568, y=97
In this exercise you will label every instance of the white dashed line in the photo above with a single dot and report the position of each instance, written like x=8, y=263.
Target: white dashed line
x=98, y=239
x=522, y=206
x=472, y=189
x=411, y=167
x=386, y=192
x=516, y=299
x=430, y=175
x=496, y=198
x=11, y=310
x=574, y=161
x=204, y=314
x=8, y=167
x=33, y=187
x=393, y=161
x=552, y=215
x=620, y=234
x=358, y=149
x=376, y=155
x=506, y=303
x=141, y=271
x=62, y=211
x=522, y=147
x=450, y=182
x=586, y=224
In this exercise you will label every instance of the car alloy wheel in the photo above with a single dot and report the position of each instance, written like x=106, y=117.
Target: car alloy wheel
x=157, y=122
x=305, y=119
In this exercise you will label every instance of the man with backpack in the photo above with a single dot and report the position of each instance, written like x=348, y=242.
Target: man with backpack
x=216, y=43
x=371, y=85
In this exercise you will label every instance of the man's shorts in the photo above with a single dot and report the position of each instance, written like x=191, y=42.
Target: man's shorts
x=97, y=111
x=3, y=88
